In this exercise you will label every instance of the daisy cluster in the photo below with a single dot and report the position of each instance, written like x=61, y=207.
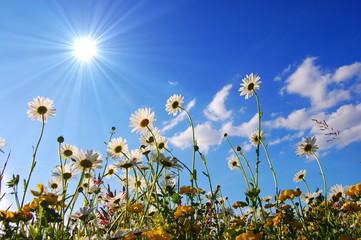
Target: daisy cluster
x=137, y=193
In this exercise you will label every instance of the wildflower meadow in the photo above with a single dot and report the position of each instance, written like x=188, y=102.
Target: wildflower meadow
x=146, y=192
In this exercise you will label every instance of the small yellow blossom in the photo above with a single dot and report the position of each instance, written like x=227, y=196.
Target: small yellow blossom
x=249, y=236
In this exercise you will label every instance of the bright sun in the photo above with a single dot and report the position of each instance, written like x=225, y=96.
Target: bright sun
x=85, y=49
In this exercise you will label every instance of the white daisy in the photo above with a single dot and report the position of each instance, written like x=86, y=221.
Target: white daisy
x=248, y=211
x=83, y=213
x=317, y=194
x=250, y=83
x=141, y=120
x=117, y=147
x=267, y=198
x=167, y=162
x=87, y=160
x=162, y=144
x=338, y=191
x=233, y=163
x=169, y=184
x=89, y=185
x=149, y=137
x=255, y=139
x=67, y=150
x=55, y=184
x=110, y=171
x=145, y=149
x=40, y=109
x=299, y=176
x=68, y=173
x=174, y=104
x=306, y=146
x=2, y=144
x=134, y=158
x=136, y=184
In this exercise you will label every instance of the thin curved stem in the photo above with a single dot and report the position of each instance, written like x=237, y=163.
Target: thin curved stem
x=323, y=175
x=271, y=167
x=193, y=175
x=259, y=134
x=33, y=162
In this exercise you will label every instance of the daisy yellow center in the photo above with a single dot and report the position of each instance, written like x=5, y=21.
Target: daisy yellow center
x=308, y=148
x=175, y=104
x=54, y=185
x=234, y=163
x=67, y=175
x=301, y=176
x=144, y=122
x=166, y=162
x=161, y=145
x=138, y=184
x=111, y=171
x=150, y=140
x=250, y=86
x=118, y=149
x=127, y=165
x=86, y=163
x=68, y=153
x=42, y=110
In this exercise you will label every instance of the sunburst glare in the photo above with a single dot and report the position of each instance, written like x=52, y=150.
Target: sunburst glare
x=85, y=49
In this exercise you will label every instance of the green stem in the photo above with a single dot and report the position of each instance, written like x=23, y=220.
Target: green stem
x=259, y=134
x=271, y=167
x=193, y=177
x=323, y=175
x=241, y=168
x=308, y=189
x=33, y=162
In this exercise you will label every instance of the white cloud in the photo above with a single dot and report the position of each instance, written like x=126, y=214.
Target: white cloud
x=216, y=110
x=173, y=83
x=346, y=119
x=205, y=135
x=180, y=117
x=346, y=72
x=311, y=81
x=284, y=72
x=243, y=130
x=300, y=119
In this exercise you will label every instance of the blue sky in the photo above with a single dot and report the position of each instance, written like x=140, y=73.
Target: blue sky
x=307, y=53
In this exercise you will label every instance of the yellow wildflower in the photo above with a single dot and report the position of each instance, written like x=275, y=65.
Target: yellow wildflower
x=135, y=208
x=249, y=236
x=184, y=211
x=157, y=234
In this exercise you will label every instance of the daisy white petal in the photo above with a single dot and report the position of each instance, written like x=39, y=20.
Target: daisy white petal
x=174, y=104
x=256, y=139
x=299, y=176
x=141, y=120
x=117, y=147
x=306, y=146
x=2, y=144
x=67, y=172
x=87, y=160
x=110, y=171
x=40, y=109
x=250, y=83
x=67, y=150
x=233, y=163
